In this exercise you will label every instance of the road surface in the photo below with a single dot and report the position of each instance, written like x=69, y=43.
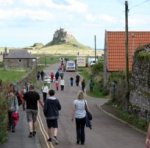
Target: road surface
x=106, y=133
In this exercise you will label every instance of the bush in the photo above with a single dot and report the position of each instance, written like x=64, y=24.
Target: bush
x=97, y=68
x=3, y=117
x=131, y=118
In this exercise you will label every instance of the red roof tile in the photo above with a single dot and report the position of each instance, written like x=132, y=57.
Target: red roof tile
x=115, y=48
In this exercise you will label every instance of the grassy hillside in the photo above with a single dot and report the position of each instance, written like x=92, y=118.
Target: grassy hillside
x=2, y=49
x=67, y=49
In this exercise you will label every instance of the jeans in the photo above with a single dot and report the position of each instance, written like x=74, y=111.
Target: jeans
x=11, y=124
x=80, y=125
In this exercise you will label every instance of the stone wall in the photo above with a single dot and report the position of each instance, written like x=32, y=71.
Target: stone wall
x=18, y=63
x=140, y=79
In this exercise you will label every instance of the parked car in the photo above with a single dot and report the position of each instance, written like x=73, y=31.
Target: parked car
x=92, y=63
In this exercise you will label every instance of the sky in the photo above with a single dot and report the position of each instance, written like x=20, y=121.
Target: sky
x=25, y=22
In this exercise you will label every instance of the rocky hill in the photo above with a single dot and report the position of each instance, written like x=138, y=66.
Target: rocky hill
x=61, y=36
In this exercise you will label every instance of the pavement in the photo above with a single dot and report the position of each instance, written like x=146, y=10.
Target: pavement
x=20, y=138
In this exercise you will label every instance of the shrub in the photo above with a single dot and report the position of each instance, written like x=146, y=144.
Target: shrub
x=3, y=117
x=98, y=67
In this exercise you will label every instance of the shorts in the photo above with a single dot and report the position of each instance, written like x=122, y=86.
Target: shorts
x=52, y=123
x=31, y=115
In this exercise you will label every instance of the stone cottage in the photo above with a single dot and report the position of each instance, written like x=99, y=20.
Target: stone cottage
x=18, y=58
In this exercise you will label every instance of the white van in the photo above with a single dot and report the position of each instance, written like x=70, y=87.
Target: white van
x=70, y=66
x=91, y=61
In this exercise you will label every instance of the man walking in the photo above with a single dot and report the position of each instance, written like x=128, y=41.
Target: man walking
x=32, y=97
x=51, y=112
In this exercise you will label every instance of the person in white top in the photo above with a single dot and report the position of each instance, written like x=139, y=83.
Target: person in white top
x=79, y=113
x=62, y=84
x=45, y=90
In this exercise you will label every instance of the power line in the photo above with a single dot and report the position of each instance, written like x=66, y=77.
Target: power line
x=139, y=4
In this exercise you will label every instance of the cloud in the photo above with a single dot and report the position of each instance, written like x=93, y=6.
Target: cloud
x=44, y=10
x=140, y=20
x=18, y=13
x=108, y=18
x=6, y=2
x=69, y=6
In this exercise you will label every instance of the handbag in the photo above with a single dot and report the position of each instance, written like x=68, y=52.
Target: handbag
x=15, y=117
x=88, y=117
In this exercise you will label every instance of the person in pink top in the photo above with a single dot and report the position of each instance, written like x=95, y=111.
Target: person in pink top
x=57, y=85
x=52, y=76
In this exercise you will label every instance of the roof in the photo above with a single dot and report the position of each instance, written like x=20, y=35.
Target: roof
x=18, y=54
x=115, y=48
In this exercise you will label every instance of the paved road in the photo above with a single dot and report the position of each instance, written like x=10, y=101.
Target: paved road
x=106, y=133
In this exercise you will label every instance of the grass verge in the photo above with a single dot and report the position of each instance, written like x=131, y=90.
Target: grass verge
x=130, y=118
x=11, y=75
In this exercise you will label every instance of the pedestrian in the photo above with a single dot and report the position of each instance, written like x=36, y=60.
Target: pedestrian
x=32, y=98
x=71, y=81
x=38, y=75
x=23, y=91
x=147, y=141
x=61, y=74
x=45, y=90
x=13, y=107
x=52, y=76
x=83, y=85
x=79, y=113
x=51, y=111
x=57, y=85
x=77, y=80
x=91, y=85
x=20, y=96
x=62, y=84
x=57, y=75
x=42, y=75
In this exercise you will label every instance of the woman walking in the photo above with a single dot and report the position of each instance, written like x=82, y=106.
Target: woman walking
x=79, y=113
x=12, y=107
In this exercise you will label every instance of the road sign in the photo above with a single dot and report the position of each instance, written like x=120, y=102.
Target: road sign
x=81, y=61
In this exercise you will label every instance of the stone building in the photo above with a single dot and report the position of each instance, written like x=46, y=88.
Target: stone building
x=18, y=58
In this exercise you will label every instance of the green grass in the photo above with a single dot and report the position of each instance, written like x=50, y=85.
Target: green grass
x=97, y=90
x=66, y=49
x=11, y=75
x=85, y=73
x=48, y=59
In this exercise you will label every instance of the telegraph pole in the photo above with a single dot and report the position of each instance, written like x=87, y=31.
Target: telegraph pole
x=127, y=48
x=95, y=46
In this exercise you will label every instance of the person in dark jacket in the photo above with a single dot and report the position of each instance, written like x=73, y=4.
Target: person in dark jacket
x=77, y=80
x=83, y=85
x=51, y=112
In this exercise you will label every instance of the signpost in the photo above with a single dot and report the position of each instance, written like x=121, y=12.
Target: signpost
x=81, y=61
